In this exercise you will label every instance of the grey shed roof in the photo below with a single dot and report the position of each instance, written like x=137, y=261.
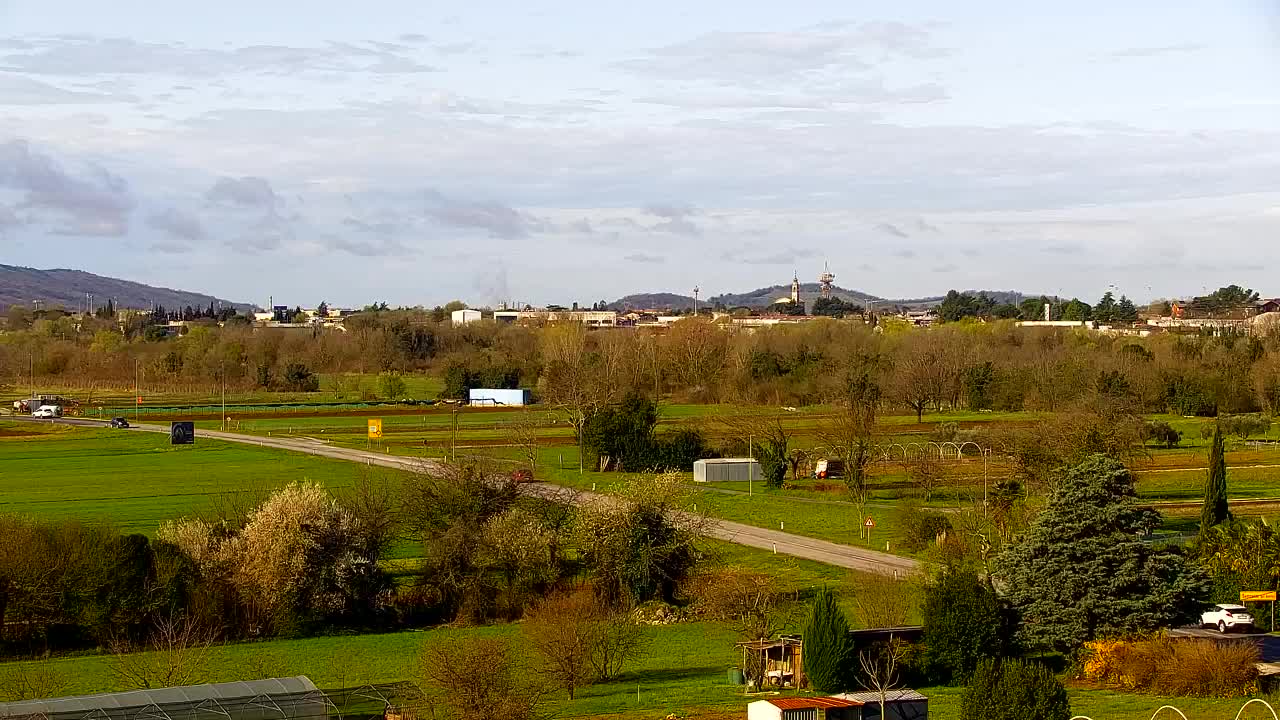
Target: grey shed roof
x=191, y=694
x=890, y=696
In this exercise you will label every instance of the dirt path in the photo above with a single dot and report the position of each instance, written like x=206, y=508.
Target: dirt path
x=780, y=542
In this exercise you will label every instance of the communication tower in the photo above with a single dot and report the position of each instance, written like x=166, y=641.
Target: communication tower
x=825, y=280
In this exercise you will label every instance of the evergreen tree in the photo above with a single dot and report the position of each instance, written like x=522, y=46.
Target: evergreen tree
x=828, y=649
x=1084, y=572
x=1015, y=690
x=962, y=625
x=1215, y=509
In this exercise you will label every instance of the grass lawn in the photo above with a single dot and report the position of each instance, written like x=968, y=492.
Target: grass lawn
x=135, y=480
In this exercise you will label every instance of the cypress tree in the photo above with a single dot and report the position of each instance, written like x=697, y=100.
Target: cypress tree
x=1215, y=509
x=962, y=625
x=828, y=649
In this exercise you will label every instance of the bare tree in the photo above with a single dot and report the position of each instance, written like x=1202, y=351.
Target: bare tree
x=575, y=381
x=479, y=679
x=747, y=600
x=924, y=470
x=880, y=666
x=881, y=601
x=562, y=630
x=523, y=432
x=176, y=653
x=31, y=681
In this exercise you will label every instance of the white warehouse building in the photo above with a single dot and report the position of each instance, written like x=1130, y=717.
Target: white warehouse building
x=466, y=316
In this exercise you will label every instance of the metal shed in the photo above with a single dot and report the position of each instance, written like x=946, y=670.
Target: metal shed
x=726, y=470
x=295, y=698
x=900, y=705
x=492, y=397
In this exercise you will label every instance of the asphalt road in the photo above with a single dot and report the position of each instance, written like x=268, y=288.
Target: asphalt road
x=779, y=542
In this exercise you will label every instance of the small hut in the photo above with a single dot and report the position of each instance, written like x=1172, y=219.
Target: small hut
x=773, y=663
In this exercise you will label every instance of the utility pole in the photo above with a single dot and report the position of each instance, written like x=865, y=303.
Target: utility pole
x=696, y=290
x=137, y=399
x=222, y=420
x=751, y=466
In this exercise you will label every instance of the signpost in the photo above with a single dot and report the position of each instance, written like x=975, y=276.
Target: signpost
x=1262, y=596
x=375, y=430
x=869, y=524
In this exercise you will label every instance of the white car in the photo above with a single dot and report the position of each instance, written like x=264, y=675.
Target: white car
x=1227, y=617
x=47, y=411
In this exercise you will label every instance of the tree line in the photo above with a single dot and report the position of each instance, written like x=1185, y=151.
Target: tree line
x=303, y=561
x=960, y=365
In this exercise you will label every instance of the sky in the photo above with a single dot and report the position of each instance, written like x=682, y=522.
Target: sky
x=415, y=152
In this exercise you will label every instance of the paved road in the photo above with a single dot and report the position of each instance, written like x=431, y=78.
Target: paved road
x=780, y=542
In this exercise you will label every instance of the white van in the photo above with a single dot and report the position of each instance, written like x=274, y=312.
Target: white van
x=48, y=411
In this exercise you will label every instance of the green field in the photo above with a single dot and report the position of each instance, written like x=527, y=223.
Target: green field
x=135, y=480
x=683, y=671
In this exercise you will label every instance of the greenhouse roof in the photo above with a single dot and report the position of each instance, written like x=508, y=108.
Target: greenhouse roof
x=189, y=696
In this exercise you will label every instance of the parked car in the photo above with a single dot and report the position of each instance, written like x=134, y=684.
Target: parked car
x=1227, y=618
x=119, y=422
x=47, y=411
x=523, y=475
x=828, y=469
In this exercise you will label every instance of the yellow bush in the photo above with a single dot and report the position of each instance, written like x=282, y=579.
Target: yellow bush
x=1101, y=658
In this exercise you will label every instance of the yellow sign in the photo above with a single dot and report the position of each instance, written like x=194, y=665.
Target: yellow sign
x=375, y=429
x=1258, y=596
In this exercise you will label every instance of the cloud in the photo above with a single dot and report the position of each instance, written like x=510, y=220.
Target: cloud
x=905, y=253
x=80, y=55
x=20, y=90
x=177, y=223
x=582, y=226
x=923, y=226
x=373, y=247
x=1061, y=249
x=498, y=220
x=1146, y=52
x=675, y=219
x=891, y=229
x=170, y=248
x=768, y=56
x=245, y=192
x=947, y=268
x=93, y=203
x=644, y=258
x=781, y=257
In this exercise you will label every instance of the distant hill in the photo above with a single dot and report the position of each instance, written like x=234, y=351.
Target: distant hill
x=1012, y=297
x=808, y=292
x=21, y=285
x=764, y=297
x=648, y=301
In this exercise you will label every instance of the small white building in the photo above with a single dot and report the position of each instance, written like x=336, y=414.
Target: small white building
x=466, y=316
x=727, y=470
x=489, y=397
x=804, y=708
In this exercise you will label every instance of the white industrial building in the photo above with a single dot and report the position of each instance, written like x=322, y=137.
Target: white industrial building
x=726, y=470
x=590, y=318
x=493, y=397
x=466, y=316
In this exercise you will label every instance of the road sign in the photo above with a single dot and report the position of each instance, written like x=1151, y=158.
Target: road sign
x=1258, y=596
x=375, y=429
x=869, y=523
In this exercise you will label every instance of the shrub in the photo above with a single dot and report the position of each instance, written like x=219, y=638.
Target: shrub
x=1180, y=668
x=962, y=625
x=921, y=528
x=1014, y=690
x=828, y=651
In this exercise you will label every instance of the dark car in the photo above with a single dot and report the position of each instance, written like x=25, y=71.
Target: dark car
x=119, y=422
